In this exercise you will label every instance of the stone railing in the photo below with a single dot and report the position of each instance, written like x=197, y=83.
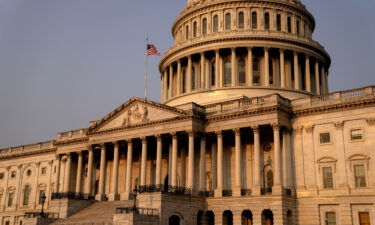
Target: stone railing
x=163, y=189
x=71, y=195
x=27, y=148
x=333, y=98
x=72, y=134
x=246, y=104
x=49, y=215
x=142, y=211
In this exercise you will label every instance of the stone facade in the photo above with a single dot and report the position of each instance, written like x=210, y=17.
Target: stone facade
x=247, y=133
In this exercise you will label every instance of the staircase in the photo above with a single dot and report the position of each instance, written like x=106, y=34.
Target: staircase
x=98, y=213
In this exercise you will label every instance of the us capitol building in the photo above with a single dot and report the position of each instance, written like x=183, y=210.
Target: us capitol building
x=246, y=133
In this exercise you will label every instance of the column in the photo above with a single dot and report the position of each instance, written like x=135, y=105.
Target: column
x=217, y=69
x=57, y=176
x=207, y=75
x=202, y=165
x=68, y=165
x=282, y=69
x=257, y=171
x=317, y=78
x=48, y=188
x=166, y=97
x=162, y=88
x=101, y=194
x=266, y=67
x=277, y=155
x=88, y=185
x=143, y=161
x=114, y=190
x=201, y=81
x=308, y=76
x=238, y=175
x=188, y=77
x=129, y=167
x=250, y=77
x=288, y=158
x=233, y=69
x=79, y=173
x=159, y=149
x=214, y=165
x=7, y=177
x=219, y=188
x=174, y=160
x=191, y=161
x=297, y=85
x=178, y=89
x=324, y=81
x=170, y=91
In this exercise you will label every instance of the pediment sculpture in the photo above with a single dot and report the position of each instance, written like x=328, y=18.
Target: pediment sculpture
x=136, y=114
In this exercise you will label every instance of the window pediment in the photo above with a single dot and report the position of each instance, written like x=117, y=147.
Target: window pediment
x=357, y=157
x=327, y=160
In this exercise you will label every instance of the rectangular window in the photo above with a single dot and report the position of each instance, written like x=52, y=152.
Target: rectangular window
x=330, y=218
x=325, y=138
x=364, y=218
x=1, y=176
x=356, y=134
x=13, y=174
x=327, y=177
x=44, y=171
x=10, y=199
x=360, y=176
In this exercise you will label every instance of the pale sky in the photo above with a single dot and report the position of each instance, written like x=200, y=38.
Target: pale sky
x=64, y=63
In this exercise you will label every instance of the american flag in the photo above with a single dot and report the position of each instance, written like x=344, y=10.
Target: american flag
x=151, y=50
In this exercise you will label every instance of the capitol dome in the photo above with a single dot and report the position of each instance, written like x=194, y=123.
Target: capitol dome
x=229, y=49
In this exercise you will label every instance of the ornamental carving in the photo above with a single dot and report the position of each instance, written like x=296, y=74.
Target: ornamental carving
x=136, y=114
x=371, y=121
x=339, y=125
x=309, y=128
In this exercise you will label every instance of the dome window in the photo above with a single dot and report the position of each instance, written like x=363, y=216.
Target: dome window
x=227, y=72
x=289, y=25
x=278, y=22
x=204, y=26
x=195, y=29
x=266, y=21
x=213, y=73
x=241, y=71
x=187, y=32
x=256, y=71
x=298, y=27
x=228, y=19
x=241, y=20
x=215, y=23
x=254, y=20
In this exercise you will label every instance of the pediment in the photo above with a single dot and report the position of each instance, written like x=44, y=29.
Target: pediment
x=358, y=157
x=136, y=111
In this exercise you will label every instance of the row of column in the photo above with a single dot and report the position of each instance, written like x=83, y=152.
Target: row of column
x=114, y=194
x=203, y=79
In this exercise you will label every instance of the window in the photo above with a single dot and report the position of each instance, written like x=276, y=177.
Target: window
x=28, y=173
x=266, y=21
x=26, y=195
x=256, y=71
x=270, y=65
x=184, y=81
x=44, y=171
x=227, y=72
x=330, y=218
x=193, y=72
x=360, y=175
x=187, y=32
x=228, y=19
x=278, y=22
x=195, y=29
x=213, y=73
x=204, y=26
x=13, y=174
x=325, y=138
x=215, y=23
x=241, y=20
x=327, y=177
x=356, y=134
x=289, y=25
x=241, y=71
x=298, y=27
x=254, y=20
x=10, y=199
x=364, y=218
x=41, y=193
x=1, y=176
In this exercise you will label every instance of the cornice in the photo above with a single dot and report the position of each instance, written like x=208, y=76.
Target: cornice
x=334, y=107
x=71, y=141
x=28, y=154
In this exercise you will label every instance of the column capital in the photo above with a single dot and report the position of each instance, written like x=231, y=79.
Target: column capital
x=307, y=56
x=219, y=133
x=129, y=140
x=57, y=156
x=191, y=133
x=237, y=131
x=19, y=166
x=7, y=168
x=282, y=50
x=115, y=144
x=266, y=48
x=158, y=136
x=37, y=164
x=102, y=146
x=339, y=125
x=249, y=48
x=143, y=139
x=295, y=53
x=255, y=128
x=79, y=152
x=275, y=126
x=309, y=128
x=298, y=130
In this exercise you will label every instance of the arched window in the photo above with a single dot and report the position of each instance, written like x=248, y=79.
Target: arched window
x=289, y=24
x=254, y=20
x=298, y=27
x=227, y=217
x=213, y=73
x=278, y=22
x=195, y=28
x=228, y=20
x=215, y=26
x=187, y=32
x=241, y=20
x=267, y=217
x=183, y=81
x=268, y=178
x=193, y=73
x=241, y=71
x=204, y=26
x=256, y=71
x=266, y=21
x=174, y=220
x=26, y=195
x=227, y=72
x=247, y=217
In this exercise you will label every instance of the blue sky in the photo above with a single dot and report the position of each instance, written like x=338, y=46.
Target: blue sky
x=64, y=63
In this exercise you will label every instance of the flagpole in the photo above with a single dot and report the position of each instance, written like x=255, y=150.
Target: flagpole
x=146, y=70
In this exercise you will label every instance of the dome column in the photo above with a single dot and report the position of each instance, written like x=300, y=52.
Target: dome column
x=234, y=66
x=217, y=69
x=170, y=90
x=250, y=75
x=165, y=89
x=207, y=75
x=324, y=85
x=307, y=74
x=178, y=89
x=201, y=81
x=266, y=67
x=188, y=83
x=317, y=77
x=296, y=72
x=282, y=69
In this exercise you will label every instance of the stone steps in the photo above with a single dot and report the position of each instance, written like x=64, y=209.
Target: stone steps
x=98, y=213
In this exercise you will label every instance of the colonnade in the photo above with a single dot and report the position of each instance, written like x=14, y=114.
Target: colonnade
x=201, y=72
x=173, y=141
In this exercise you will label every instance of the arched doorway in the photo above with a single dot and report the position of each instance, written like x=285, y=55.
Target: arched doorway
x=227, y=217
x=247, y=217
x=210, y=218
x=200, y=218
x=289, y=218
x=174, y=220
x=267, y=217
